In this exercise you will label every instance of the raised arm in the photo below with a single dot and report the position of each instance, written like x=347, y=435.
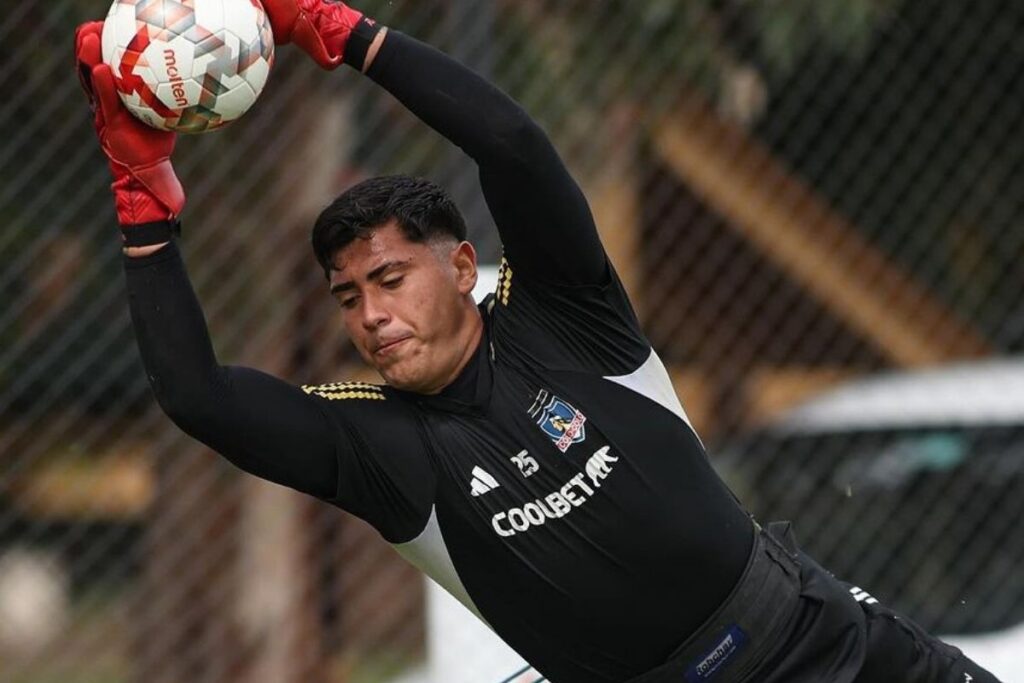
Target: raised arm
x=544, y=220
x=263, y=425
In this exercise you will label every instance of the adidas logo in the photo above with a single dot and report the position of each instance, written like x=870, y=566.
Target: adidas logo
x=482, y=482
x=861, y=595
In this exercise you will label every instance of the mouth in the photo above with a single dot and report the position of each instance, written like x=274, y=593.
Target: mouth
x=390, y=346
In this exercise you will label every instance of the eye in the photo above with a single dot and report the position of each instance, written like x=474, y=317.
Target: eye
x=349, y=302
x=392, y=283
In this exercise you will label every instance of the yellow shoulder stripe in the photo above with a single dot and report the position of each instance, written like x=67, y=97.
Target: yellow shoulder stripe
x=340, y=391
x=504, y=282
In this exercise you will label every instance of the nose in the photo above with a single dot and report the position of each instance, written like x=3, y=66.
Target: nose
x=375, y=315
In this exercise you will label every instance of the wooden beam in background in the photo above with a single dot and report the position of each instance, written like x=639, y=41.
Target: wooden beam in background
x=615, y=205
x=611, y=183
x=787, y=222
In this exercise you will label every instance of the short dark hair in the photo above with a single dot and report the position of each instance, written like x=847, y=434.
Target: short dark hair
x=422, y=209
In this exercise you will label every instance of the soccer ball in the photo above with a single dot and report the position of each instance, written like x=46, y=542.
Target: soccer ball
x=188, y=66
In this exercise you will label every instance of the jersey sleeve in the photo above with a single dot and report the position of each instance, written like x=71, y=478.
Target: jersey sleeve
x=578, y=328
x=292, y=436
x=544, y=220
x=385, y=475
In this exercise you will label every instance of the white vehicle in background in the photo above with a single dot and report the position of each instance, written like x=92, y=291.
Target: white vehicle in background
x=910, y=485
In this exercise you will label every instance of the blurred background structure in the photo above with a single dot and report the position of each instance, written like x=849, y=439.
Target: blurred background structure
x=796, y=193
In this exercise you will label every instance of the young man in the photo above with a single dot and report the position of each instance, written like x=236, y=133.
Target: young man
x=530, y=454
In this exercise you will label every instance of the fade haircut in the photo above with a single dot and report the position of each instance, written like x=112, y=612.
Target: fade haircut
x=421, y=208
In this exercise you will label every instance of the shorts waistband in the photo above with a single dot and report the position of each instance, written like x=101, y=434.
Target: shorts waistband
x=748, y=627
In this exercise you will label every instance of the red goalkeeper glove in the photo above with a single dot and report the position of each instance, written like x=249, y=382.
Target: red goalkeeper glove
x=329, y=30
x=146, y=190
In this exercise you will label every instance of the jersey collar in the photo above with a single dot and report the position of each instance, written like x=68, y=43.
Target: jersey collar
x=470, y=392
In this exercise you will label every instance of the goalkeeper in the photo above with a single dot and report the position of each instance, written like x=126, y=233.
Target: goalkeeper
x=529, y=454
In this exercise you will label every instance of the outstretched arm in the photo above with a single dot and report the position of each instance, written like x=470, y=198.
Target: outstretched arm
x=545, y=223
x=263, y=425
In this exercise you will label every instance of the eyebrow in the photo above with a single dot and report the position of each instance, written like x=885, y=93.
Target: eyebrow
x=374, y=274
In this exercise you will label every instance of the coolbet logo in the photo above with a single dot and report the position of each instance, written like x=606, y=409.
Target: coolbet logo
x=558, y=419
x=174, y=76
x=557, y=504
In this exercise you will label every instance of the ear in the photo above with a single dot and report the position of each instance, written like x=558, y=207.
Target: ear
x=464, y=261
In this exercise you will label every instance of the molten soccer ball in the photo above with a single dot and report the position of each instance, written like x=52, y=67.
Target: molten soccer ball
x=188, y=65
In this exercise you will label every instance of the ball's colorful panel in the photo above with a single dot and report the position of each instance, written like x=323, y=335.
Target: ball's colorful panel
x=236, y=101
x=253, y=51
x=124, y=23
x=144, y=72
x=266, y=37
x=147, y=115
x=206, y=40
x=114, y=60
x=211, y=14
x=198, y=120
x=256, y=75
x=133, y=100
x=166, y=18
x=224, y=58
x=228, y=83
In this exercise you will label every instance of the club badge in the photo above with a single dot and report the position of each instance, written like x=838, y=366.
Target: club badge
x=559, y=420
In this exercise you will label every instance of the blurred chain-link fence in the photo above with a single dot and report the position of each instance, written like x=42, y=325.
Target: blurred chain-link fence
x=795, y=193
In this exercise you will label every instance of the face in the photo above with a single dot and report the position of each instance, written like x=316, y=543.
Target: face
x=407, y=306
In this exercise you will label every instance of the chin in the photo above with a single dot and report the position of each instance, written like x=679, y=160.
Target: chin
x=411, y=381
x=401, y=378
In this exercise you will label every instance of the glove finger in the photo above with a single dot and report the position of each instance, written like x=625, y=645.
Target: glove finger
x=106, y=91
x=282, y=15
x=88, y=55
x=87, y=43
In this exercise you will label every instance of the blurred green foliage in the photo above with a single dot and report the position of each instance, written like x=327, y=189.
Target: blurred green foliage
x=641, y=48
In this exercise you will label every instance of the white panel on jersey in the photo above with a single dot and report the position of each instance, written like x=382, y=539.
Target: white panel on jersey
x=462, y=648
x=428, y=553
x=651, y=380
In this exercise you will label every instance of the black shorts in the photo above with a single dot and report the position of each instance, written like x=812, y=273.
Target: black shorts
x=839, y=634
x=840, y=638
x=901, y=651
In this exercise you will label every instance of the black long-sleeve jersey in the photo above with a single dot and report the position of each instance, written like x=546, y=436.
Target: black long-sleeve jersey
x=557, y=487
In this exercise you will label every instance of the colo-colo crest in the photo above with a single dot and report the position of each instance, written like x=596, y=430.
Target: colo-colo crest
x=558, y=419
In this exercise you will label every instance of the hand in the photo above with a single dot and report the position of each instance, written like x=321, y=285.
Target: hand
x=320, y=27
x=146, y=190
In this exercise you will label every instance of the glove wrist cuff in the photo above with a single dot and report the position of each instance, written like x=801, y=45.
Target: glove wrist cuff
x=359, y=42
x=147, y=234
x=147, y=195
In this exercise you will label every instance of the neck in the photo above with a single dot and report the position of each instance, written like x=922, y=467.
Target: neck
x=468, y=340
